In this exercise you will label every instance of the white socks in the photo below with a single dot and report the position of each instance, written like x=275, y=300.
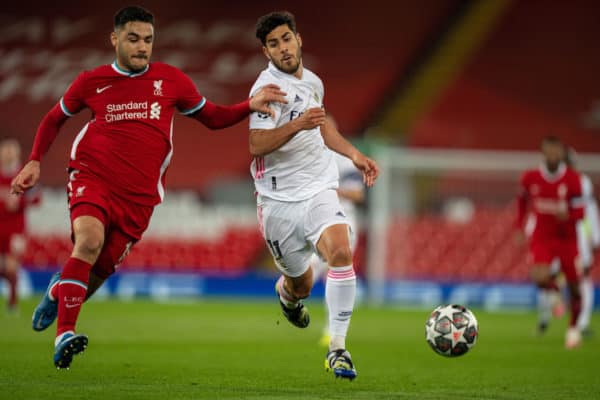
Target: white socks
x=544, y=300
x=587, y=303
x=340, y=291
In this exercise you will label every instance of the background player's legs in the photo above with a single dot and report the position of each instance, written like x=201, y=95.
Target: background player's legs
x=549, y=298
x=568, y=259
x=10, y=272
x=340, y=289
x=587, y=302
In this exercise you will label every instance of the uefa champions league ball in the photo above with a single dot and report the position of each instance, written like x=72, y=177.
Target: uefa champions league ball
x=451, y=330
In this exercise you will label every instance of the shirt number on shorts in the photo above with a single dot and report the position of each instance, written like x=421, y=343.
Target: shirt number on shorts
x=274, y=246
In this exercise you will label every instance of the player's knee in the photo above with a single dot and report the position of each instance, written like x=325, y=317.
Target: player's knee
x=89, y=245
x=540, y=275
x=340, y=256
x=11, y=265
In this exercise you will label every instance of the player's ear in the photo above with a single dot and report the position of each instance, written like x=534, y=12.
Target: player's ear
x=266, y=52
x=113, y=38
x=299, y=38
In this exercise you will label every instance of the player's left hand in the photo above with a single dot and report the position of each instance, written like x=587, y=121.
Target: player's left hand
x=266, y=95
x=368, y=167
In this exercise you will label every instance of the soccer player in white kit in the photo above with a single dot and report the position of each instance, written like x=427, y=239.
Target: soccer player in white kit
x=296, y=178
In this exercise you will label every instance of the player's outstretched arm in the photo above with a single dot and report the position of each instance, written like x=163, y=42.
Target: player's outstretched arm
x=336, y=142
x=265, y=141
x=44, y=137
x=216, y=116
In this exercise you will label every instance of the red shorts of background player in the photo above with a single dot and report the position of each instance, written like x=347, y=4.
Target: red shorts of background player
x=12, y=243
x=544, y=252
x=124, y=221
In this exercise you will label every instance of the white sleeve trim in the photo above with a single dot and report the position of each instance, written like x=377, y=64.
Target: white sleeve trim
x=64, y=108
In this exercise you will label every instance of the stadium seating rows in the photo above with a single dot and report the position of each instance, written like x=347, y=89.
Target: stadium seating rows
x=427, y=247
x=235, y=251
x=482, y=250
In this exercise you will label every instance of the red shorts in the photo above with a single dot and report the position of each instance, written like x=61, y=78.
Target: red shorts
x=13, y=243
x=124, y=221
x=565, y=251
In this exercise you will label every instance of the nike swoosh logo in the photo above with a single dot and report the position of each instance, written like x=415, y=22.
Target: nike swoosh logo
x=72, y=305
x=100, y=90
x=39, y=324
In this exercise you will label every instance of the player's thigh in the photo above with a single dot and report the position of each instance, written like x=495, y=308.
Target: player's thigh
x=541, y=256
x=327, y=227
x=281, y=227
x=5, y=239
x=569, y=261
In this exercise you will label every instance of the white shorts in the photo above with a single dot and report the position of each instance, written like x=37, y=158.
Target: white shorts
x=292, y=229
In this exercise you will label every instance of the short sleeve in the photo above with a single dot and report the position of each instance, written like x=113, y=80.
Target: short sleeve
x=265, y=121
x=73, y=100
x=260, y=120
x=189, y=100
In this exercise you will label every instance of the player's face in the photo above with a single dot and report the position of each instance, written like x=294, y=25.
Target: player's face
x=133, y=44
x=553, y=155
x=10, y=152
x=284, y=48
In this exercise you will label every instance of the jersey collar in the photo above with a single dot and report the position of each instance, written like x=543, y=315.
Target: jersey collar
x=553, y=176
x=128, y=73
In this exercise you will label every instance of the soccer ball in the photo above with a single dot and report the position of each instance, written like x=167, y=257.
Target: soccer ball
x=451, y=330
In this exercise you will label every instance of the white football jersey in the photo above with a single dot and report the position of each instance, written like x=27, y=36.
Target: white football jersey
x=303, y=166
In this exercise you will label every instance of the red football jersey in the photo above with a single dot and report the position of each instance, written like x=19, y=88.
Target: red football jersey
x=546, y=194
x=12, y=219
x=128, y=141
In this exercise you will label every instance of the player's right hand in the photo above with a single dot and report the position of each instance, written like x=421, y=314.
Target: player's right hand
x=311, y=118
x=27, y=178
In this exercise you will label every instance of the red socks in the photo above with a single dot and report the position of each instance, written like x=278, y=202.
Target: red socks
x=575, y=304
x=71, y=293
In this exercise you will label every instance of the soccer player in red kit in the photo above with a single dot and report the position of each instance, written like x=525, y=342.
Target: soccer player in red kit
x=117, y=163
x=12, y=218
x=553, y=194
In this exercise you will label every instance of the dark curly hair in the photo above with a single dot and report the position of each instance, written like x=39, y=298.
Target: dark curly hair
x=267, y=23
x=132, y=13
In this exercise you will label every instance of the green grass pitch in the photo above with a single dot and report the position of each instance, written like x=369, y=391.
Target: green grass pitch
x=227, y=349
